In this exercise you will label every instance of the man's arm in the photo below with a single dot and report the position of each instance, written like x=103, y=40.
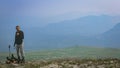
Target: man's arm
x=22, y=35
x=14, y=44
x=15, y=40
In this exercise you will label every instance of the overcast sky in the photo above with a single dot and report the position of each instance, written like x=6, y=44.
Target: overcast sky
x=56, y=10
x=46, y=8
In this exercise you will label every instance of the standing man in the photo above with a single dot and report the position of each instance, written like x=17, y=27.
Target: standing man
x=19, y=36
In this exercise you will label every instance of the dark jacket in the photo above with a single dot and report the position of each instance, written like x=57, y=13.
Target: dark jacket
x=19, y=36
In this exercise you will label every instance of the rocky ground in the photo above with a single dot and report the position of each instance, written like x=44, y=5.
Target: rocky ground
x=67, y=63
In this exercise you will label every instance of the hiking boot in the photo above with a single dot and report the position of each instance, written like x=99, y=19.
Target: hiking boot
x=23, y=60
x=18, y=60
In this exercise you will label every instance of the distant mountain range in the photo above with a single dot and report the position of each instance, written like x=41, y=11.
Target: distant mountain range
x=112, y=37
x=85, y=26
x=100, y=31
x=87, y=31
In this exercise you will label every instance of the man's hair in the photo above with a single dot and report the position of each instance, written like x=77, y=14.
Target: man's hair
x=17, y=26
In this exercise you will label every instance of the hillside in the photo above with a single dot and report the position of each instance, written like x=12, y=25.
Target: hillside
x=112, y=37
x=72, y=57
x=76, y=51
x=84, y=26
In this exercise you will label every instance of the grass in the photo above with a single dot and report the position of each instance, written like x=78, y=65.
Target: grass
x=78, y=55
x=71, y=52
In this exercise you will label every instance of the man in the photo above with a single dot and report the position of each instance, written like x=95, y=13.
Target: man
x=19, y=36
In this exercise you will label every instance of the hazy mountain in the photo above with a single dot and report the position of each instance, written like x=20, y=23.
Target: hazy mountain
x=89, y=31
x=82, y=31
x=112, y=37
x=85, y=26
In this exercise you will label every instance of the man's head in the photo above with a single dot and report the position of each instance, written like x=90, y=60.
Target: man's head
x=18, y=28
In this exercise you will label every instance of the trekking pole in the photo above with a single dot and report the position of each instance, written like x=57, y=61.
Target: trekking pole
x=9, y=50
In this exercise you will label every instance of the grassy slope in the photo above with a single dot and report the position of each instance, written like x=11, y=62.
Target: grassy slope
x=3, y=56
x=67, y=59
x=77, y=51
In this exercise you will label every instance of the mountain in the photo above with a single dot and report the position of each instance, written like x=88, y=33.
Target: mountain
x=81, y=31
x=85, y=26
x=88, y=31
x=112, y=37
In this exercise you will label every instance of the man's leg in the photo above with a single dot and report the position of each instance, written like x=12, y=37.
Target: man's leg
x=18, y=52
x=22, y=52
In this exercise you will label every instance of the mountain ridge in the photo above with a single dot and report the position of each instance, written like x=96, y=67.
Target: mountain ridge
x=82, y=31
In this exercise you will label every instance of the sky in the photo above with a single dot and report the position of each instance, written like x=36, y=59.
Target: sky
x=39, y=13
x=48, y=8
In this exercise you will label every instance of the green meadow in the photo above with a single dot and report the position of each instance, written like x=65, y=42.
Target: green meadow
x=82, y=52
